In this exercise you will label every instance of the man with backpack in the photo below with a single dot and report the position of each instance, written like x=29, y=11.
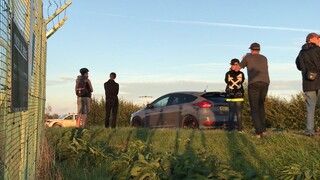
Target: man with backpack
x=83, y=91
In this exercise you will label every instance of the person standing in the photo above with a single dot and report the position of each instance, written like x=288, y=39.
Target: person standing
x=258, y=84
x=307, y=61
x=111, y=92
x=234, y=92
x=84, y=91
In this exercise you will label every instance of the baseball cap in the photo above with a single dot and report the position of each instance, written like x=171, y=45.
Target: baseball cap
x=233, y=61
x=311, y=35
x=254, y=46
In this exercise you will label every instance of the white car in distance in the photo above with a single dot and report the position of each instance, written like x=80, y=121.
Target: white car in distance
x=68, y=120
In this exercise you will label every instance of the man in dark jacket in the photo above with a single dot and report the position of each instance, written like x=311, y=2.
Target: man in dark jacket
x=111, y=91
x=309, y=60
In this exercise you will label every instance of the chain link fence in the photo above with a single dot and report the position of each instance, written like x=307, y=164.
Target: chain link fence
x=22, y=87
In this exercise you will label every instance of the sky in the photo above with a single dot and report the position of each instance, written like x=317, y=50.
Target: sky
x=161, y=46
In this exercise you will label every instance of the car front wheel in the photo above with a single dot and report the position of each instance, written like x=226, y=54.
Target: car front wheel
x=136, y=122
x=190, y=122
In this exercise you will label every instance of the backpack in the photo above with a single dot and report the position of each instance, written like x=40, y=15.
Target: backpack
x=81, y=89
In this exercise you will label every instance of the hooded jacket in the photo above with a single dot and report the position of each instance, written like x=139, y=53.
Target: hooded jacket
x=309, y=59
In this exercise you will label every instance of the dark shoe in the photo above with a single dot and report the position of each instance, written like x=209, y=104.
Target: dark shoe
x=309, y=134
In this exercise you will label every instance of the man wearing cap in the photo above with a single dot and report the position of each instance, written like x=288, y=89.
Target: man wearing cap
x=83, y=99
x=308, y=60
x=258, y=84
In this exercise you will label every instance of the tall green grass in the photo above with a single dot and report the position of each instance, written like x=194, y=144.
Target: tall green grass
x=130, y=153
x=97, y=114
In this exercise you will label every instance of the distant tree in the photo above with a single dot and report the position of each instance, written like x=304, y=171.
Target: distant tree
x=47, y=114
x=48, y=109
x=55, y=116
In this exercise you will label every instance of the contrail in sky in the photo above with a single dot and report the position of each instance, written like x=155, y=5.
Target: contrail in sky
x=236, y=25
x=221, y=24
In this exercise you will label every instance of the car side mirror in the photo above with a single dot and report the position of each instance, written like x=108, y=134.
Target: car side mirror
x=149, y=106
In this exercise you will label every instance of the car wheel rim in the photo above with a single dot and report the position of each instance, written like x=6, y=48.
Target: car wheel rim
x=190, y=123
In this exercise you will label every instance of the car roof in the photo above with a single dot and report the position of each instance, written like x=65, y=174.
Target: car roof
x=197, y=93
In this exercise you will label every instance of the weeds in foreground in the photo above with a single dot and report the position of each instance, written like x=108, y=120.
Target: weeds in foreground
x=298, y=171
x=135, y=158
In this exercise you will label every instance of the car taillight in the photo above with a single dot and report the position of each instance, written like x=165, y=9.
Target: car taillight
x=203, y=104
x=208, y=123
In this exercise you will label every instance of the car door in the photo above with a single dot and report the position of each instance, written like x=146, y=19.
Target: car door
x=154, y=112
x=172, y=112
x=69, y=121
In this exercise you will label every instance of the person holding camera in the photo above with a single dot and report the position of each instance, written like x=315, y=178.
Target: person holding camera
x=308, y=62
x=234, y=92
x=258, y=85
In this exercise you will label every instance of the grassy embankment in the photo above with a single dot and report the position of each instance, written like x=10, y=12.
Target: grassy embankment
x=129, y=153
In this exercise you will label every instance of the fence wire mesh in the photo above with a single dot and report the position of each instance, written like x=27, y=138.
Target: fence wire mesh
x=21, y=129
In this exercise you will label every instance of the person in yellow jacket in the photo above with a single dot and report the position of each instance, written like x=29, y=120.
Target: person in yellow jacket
x=234, y=92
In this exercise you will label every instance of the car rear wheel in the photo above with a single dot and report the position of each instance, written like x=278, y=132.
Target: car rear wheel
x=56, y=125
x=190, y=122
x=136, y=122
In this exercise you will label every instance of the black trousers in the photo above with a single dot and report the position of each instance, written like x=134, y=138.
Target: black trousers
x=111, y=106
x=257, y=93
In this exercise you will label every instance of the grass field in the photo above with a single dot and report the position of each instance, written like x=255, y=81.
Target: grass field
x=130, y=153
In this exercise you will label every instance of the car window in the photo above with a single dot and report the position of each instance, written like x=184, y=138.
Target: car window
x=174, y=99
x=181, y=99
x=186, y=98
x=161, y=102
x=62, y=116
x=69, y=117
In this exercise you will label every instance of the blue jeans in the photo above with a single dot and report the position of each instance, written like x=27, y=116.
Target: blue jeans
x=257, y=93
x=311, y=99
x=235, y=108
